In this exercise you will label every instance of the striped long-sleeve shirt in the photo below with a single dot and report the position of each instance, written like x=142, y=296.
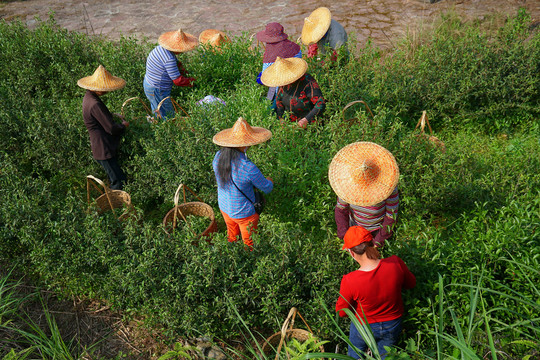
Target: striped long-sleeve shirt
x=369, y=217
x=246, y=175
x=161, y=68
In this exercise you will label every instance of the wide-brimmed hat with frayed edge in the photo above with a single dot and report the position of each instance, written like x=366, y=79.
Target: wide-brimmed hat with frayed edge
x=363, y=173
x=272, y=33
x=213, y=37
x=316, y=25
x=178, y=41
x=101, y=80
x=284, y=71
x=242, y=134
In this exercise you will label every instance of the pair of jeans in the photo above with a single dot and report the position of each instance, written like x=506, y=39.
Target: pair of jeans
x=115, y=173
x=155, y=95
x=386, y=333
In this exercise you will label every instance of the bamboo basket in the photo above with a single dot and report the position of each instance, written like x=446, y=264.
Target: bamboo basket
x=288, y=332
x=352, y=120
x=433, y=139
x=148, y=113
x=176, y=107
x=256, y=46
x=349, y=121
x=180, y=211
x=109, y=199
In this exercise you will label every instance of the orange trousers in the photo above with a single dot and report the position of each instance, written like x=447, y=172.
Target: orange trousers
x=245, y=227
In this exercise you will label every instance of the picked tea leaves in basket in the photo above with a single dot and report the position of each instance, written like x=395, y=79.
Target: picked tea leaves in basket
x=109, y=200
x=191, y=214
x=288, y=332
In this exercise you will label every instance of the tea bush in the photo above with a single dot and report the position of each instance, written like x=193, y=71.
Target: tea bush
x=472, y=209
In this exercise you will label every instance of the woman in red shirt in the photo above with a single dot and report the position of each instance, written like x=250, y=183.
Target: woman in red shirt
x=373, y=291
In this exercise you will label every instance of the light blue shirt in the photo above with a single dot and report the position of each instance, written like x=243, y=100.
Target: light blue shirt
x=246, y=175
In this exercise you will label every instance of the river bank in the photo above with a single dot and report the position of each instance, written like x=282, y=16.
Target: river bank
x=381, y=20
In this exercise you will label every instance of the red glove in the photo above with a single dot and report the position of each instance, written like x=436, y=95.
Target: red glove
x=313, y=49
x=184, y=81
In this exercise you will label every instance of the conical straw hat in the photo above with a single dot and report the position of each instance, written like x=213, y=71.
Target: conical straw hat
x=213, y=37
x=101, y=80
x=316, y=25
x=242, y=134
x=178, y=41
x=363, y=173
x=284, y=71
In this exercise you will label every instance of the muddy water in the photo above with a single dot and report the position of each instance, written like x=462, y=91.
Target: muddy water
x=382, y=20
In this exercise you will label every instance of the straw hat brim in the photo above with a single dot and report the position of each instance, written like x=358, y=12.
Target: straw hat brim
x=276, y=75
x=207, y=35
x=227, y=138
x=346, y=181
x=166, y=41
x=111, y=83
x=316, y=25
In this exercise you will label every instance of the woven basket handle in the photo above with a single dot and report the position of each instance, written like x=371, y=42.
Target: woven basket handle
x=175, y=105
x=259, y=43
x=356, y=102
x=176, y=198
x=422, y=123
x=92, y=180
x=146, y=108
x=289, y=323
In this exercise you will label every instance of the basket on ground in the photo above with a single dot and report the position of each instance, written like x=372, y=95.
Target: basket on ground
x=277, y=340
x=109, y=200
x=351, y=120
x=432, y=139
x=180, y=212
x=146, y=117
x=176, y=107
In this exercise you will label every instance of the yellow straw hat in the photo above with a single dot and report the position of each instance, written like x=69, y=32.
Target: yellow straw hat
x=101, y=80
x=242, y=134
x=213, y=37
x=178, y=41
x=363, y=173
x=316, y=25
x=284, y=71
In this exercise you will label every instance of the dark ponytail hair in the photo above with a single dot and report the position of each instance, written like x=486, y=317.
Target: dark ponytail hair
x=368, y=248
x=226, y=157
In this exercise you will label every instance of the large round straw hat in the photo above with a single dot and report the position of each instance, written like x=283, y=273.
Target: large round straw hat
x=284, y=71
x=316, y=25
x=178, y=41
x=242, y=134
x=213, y=37
x=363, y=173
x=101, y=80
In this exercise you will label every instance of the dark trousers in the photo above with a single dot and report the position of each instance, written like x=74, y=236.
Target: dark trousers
x=115, y=173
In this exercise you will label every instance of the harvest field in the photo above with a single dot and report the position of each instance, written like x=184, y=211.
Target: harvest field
x=469, y=217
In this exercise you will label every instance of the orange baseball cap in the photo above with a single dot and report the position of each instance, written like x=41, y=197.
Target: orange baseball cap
x=356, y=235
